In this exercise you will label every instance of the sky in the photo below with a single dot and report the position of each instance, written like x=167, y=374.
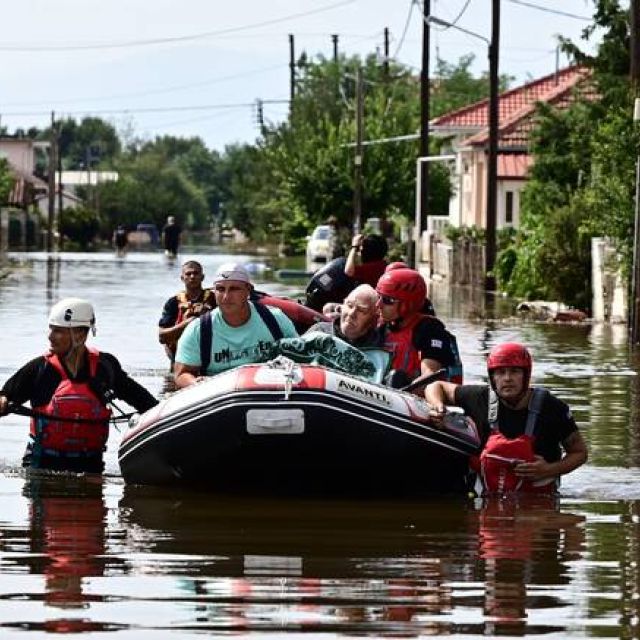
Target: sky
x=196, y=67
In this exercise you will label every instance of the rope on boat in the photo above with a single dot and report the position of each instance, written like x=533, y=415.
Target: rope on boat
x=288, y=367
x=25, y=411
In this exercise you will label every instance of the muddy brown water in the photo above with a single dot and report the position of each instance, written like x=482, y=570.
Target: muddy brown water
x=90, y=556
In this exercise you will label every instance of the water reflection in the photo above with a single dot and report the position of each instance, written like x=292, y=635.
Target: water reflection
x=66, y=546
x=526, y=543
x=367, y=568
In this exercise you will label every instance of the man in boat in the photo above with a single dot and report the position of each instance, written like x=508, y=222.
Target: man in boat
x=420, y=343
x=357, y=320
x=71, y=381
x=237, y=332
x=525, y=429
x=366, y=258
x=184, y=307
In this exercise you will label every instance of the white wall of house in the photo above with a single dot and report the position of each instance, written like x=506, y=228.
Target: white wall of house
x=20, y=152
x=508, y=209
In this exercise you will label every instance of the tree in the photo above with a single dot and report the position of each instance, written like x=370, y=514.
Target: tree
x=6, y=180
x=583, y=177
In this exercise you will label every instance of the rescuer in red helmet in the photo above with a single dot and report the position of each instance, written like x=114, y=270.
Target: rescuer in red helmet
x=420, y=343
x=530, y=437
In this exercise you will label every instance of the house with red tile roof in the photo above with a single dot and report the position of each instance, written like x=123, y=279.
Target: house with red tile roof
x=467, y=131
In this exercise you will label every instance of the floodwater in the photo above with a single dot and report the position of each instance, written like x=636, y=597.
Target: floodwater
x=88, y=555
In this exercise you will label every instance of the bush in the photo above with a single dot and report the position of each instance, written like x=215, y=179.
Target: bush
x=80, y=225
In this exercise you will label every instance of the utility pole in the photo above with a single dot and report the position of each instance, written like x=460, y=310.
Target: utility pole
x=292, y=72
x=386, y=53
x=334, y=39
x=492, y=156
x=51, y=219
x=59, y=158
x=424, y=133
x=634, y=298
x=634, y=66
x=357, y=182
x=260, y=114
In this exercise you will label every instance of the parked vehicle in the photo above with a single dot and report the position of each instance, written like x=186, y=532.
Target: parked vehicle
x=320, y=245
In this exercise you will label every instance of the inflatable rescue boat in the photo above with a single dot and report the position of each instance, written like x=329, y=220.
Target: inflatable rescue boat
x=297, y=428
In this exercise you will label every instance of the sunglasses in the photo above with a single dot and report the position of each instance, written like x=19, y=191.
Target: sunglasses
x=388, y=300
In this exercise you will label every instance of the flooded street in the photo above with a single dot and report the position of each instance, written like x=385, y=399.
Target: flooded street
x=89, y=555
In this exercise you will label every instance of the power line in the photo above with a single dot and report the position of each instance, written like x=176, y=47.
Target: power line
x=202, y=107
x=554, y=11
x=404, y=31
x=142, y=94
x=168, y=40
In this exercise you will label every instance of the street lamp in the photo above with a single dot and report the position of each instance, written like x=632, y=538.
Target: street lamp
x=492, y=155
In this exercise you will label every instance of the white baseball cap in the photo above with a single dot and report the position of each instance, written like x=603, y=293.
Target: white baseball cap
x=231, y=271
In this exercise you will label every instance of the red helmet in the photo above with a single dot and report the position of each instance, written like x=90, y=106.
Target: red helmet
x=510, y=354
x=405, y=285
x=396, y=265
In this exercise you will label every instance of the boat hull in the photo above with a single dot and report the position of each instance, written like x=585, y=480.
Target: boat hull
x=334, y=434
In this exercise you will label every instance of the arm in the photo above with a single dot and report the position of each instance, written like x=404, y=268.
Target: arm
x=124, y=387
x=575, y=456
x=440, y=394
x=171, y=334
x=185, y=375
x=20, y=387
x=350, y=265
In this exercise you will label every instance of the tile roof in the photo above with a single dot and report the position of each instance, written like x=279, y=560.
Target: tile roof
x=515, y=109
x=514, y=166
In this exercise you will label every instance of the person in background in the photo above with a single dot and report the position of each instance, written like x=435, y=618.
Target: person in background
x=120, y=240
x=184, y=307
x=71, y=381
x=420, y=343
x=171, y=237
x=366, y=258
x=237, y=332
x=357, y=320
x=530, y=437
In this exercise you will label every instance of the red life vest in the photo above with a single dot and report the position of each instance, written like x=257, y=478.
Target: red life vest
x=400, y=343
x=72, y=399
x=501, y=454
x=407, y=358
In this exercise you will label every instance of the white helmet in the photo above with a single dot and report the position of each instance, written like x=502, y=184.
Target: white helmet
x=73, y=312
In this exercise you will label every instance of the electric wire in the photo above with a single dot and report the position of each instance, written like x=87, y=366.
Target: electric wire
x=171, y=39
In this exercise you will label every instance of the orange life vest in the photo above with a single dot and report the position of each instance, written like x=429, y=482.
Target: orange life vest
x=188, y=308
x=72, y=399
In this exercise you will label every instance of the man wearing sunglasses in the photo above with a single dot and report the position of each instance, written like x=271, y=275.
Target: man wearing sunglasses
x=420, y=344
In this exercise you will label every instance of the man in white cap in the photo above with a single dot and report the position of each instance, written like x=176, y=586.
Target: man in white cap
x=71, y=381
x=237, y=332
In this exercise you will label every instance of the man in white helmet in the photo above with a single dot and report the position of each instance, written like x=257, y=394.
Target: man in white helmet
x=71, y=381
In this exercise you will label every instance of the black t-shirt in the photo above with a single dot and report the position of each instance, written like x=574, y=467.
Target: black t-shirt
x=169, y=313
x=431, y=339
x=554, y=425
x=36, y=382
